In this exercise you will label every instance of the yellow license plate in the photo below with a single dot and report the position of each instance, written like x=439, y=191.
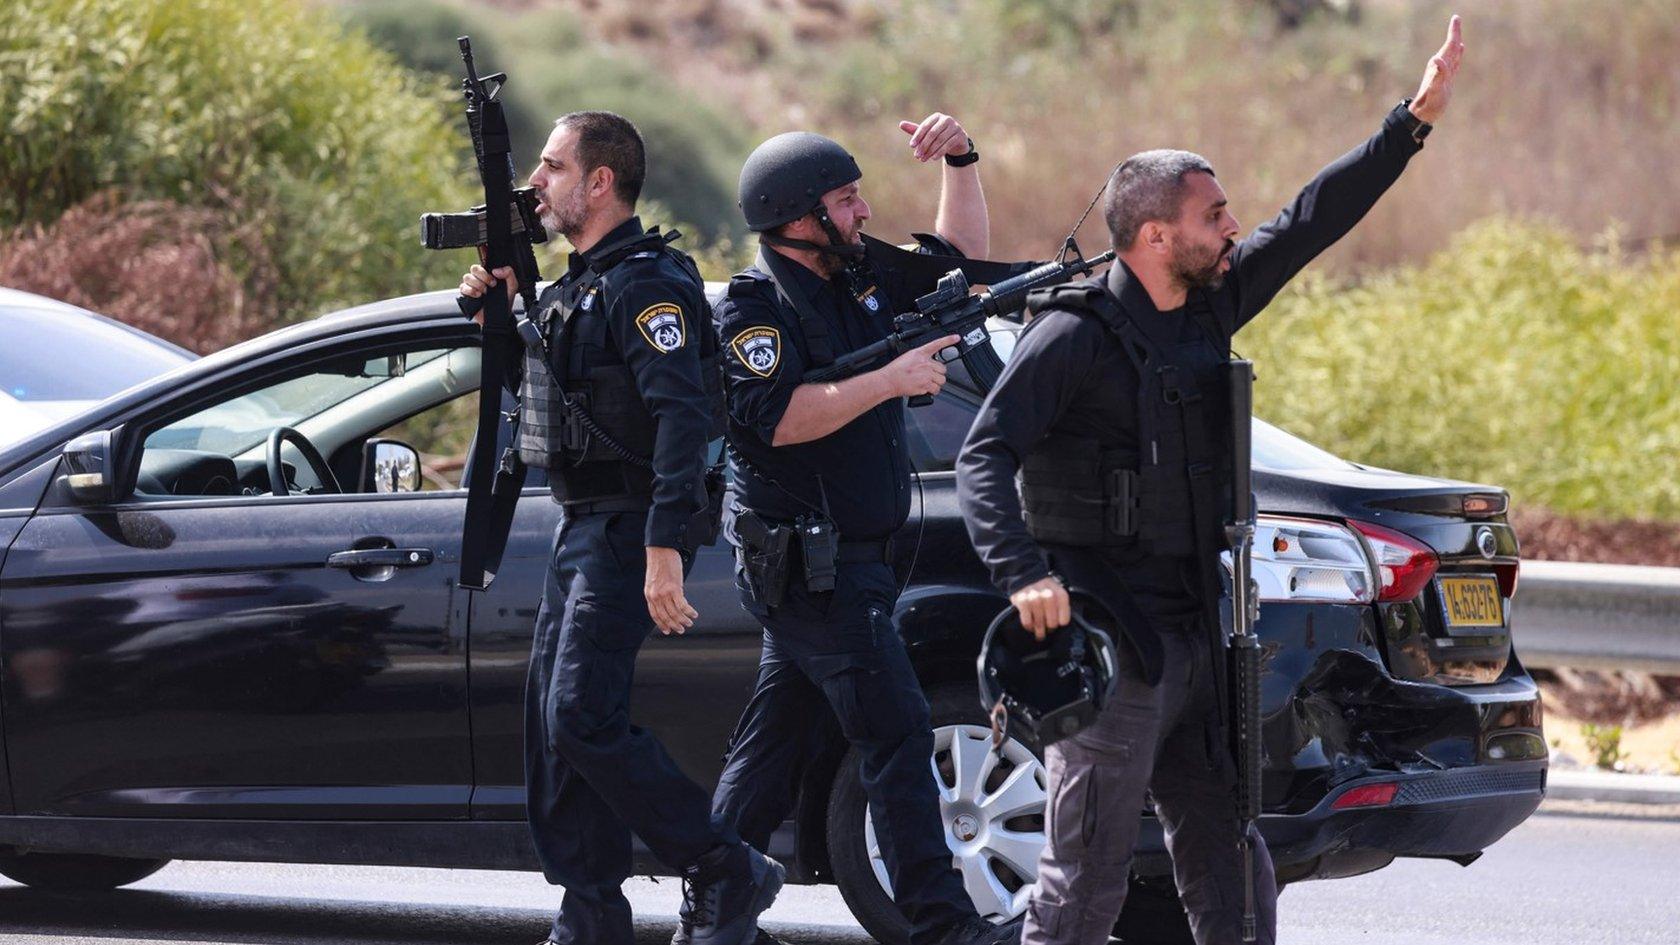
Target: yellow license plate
x=1472, y=601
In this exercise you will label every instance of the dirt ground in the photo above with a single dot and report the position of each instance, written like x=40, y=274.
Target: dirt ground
x=1647, y=709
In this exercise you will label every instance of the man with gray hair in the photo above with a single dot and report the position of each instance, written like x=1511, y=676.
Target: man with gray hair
x=1110, y=411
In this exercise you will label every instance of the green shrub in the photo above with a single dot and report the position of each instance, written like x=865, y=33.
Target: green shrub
x=317, y=141
x=1513, y=357
x=694, y=154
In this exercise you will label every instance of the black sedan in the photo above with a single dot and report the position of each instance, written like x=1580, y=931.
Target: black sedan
x=230, y=630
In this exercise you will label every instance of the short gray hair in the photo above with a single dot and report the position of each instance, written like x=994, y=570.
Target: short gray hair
x=1147, y=186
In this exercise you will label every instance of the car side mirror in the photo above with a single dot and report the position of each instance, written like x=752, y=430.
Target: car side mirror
x=390, y=466
x=90, y=476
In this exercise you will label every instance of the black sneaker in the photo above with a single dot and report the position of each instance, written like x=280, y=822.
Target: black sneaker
x=977, y=931
x=724, y=894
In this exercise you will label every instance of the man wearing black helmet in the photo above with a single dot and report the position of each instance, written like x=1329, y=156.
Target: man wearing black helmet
x=822, y=479
x=1102, y=456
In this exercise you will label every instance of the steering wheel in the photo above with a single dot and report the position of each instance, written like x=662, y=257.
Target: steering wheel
x=311, y=455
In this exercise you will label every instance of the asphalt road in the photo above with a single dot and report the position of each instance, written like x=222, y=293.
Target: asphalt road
x=1563, y=877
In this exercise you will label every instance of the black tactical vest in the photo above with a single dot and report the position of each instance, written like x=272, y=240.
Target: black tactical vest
x=1164, y=497
x=581, y=416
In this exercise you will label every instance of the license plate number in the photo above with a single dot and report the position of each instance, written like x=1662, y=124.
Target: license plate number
x=1471, y=601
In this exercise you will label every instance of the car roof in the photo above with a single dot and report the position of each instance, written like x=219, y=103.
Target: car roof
x=17, y=298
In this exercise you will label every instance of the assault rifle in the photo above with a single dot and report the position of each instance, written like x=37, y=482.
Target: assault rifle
x=951, y=309
x=1244, y=649
x=504, y=228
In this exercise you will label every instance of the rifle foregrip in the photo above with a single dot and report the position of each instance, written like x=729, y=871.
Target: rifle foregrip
x=1246, y=655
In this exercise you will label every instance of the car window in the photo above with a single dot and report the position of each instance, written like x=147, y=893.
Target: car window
x=51, y=355
x=442, y=436
x=220, y=448
x=937, y=431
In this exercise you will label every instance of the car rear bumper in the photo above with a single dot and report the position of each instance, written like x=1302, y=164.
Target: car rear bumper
x=1453, y=814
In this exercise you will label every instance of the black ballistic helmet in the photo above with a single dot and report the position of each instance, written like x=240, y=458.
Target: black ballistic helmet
x=1044, y=692
x=785, y=177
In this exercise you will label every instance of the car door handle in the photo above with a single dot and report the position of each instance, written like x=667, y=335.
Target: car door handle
x=381, y=558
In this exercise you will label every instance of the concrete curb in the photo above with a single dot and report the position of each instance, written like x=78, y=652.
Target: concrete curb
x=1611, y=787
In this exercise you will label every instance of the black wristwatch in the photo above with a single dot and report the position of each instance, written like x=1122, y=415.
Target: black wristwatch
x=963, y=160
x=1415, y=126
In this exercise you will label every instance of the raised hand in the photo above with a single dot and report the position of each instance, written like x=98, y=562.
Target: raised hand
x=1430, y=103
x=935, y=136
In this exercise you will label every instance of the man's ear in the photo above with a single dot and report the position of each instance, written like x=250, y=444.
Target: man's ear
x=1153, y=236
x=601, y=181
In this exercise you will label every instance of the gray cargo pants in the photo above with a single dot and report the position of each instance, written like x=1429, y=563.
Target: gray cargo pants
x=1155, y=738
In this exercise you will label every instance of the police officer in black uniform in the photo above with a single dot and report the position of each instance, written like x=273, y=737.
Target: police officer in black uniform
x=615, y=406
x=1108, y=411
x=822, y=474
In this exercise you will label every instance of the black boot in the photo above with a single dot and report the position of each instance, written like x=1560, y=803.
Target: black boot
x=977, y=931
x=724, y=894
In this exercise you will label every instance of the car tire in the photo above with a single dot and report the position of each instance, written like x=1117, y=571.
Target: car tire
x=75, y=872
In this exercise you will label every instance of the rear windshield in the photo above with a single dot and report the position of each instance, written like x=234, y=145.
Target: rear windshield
x=48, y=354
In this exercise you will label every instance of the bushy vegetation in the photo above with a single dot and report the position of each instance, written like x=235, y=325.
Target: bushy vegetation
x=270, y=116
x=694, y=153
x=1512, y=357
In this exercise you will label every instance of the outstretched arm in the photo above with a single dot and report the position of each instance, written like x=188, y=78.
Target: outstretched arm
x=1340, y=196
x=962, y=215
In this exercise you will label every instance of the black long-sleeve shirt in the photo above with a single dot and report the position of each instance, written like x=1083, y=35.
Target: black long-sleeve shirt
x=1067, y=375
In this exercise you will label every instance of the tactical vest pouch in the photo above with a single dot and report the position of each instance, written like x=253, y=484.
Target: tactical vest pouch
x=541, y=414
x=704, y=525
x=616, y=406
x=1075, y=493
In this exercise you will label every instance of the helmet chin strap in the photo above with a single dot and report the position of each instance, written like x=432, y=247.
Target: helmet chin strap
x=836, y=245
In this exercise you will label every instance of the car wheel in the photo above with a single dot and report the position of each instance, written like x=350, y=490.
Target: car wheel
x=991, y=806
x=75, y=871
x=1000, y=811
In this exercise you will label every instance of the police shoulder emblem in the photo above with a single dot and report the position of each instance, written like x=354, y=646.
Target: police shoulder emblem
x=662, y=325
x=759, y=348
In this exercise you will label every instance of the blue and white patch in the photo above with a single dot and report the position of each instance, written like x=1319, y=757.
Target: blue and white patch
x=870, y=300
x=759, y=348
x=588, y=299
x=661, y=325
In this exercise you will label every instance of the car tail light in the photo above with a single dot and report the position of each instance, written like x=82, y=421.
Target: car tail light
x=1484, y=505
x=1404, y=564
x=1367, y=795
x=1507, y=574
x=1298, y=559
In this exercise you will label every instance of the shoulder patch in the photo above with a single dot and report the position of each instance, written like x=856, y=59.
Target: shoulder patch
x=661, y=325
x=759, y=348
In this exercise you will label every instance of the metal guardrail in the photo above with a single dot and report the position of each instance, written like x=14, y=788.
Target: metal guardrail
x=1597, y=616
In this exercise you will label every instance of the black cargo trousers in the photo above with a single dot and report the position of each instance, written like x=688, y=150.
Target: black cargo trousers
x=839, y=651
x=1157, y=742
x=591, y=776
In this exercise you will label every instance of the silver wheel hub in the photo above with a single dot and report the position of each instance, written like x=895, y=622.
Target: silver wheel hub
x=992, y=806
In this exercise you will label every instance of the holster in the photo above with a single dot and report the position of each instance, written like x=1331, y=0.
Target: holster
x=766, y=554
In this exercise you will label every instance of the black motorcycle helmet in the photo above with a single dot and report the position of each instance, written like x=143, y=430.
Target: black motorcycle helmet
x=1045, y=692
x=785, y=178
